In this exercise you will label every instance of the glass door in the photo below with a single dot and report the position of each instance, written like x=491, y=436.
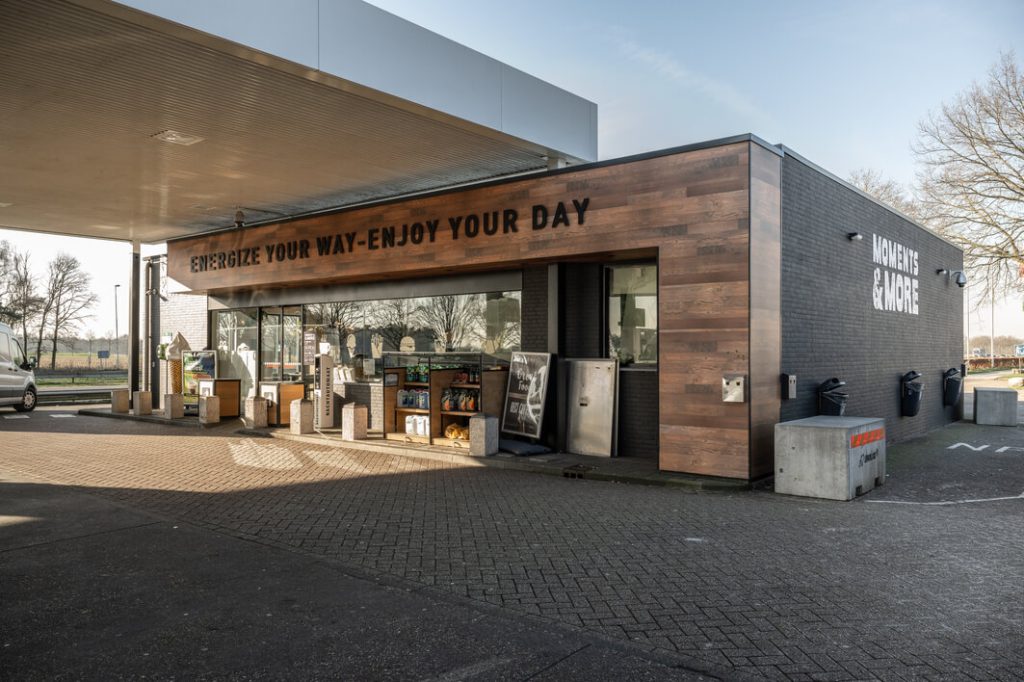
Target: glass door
x=270, y=344
x=291, y=343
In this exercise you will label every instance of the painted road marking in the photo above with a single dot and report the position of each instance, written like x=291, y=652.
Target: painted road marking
x=62, y=416
x=949, y=502
x=15, y=416
x=981, y=448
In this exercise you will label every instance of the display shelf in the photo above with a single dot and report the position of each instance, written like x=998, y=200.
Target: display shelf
x=443, y=370
x=451, y=442
x=407, y=438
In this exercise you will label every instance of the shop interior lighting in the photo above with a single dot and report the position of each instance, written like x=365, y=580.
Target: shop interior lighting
x=854, y=236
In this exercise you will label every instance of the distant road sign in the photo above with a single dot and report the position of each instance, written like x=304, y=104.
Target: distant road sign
x=1018, y=350
x=104, y=354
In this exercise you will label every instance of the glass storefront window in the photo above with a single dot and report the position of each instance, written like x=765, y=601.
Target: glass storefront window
x=235, y=340
x=359, y=333
x=270, y=344
x=633, y=313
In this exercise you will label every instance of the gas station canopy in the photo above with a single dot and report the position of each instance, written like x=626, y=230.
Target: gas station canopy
x=153, y=119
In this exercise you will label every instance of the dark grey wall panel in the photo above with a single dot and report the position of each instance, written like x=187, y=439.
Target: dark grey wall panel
x=535, y=309
x=638, y=413
x=582, y=310
x=830, y=326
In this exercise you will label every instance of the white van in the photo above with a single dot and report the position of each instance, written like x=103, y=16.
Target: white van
x=17, y=380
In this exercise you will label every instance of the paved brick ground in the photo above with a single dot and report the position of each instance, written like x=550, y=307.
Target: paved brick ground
x=777, y=587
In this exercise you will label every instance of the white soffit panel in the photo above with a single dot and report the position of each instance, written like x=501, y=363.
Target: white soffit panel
x=118, y=124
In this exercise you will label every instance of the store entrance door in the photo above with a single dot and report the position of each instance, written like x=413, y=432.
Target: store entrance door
x=281, y=344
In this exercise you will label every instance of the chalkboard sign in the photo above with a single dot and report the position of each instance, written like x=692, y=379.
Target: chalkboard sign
x=527, y=390
x=308, y=347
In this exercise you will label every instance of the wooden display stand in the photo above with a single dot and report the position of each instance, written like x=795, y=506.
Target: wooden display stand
x=228, y=390
x=490, y=400
x=279, y=395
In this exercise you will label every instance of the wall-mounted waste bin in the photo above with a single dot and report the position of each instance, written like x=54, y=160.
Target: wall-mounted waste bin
x=832, y=401
x=952, y=382
x=910, y=394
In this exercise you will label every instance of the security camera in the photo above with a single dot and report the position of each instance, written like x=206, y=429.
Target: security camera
x=960, y=279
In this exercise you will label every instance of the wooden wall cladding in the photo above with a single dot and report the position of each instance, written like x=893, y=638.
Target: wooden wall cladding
x=765, y=307
x=692, y=209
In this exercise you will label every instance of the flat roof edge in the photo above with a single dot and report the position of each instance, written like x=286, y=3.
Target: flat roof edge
x=786, y=151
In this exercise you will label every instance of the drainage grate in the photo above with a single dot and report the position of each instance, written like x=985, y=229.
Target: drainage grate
x=576, y=471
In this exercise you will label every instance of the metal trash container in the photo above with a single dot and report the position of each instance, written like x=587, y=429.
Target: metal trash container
x=952, y=383
x=832, y=401
x=910, y=394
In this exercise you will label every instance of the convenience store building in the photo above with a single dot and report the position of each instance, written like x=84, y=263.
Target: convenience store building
x=731, y=259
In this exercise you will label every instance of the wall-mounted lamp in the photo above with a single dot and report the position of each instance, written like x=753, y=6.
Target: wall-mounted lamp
x=854, y=236
x=957, y=276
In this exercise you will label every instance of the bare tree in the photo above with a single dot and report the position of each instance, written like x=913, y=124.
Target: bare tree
x=972, y=184
x=67, y=299
x=395, y=319
x=452, y=319
x=6, y=258
x=887, y=191
x=24, y=300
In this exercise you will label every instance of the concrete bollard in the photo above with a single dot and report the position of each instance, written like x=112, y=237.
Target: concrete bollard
x=255, y=412
x=174, y=405
x=142, y=403
x=301, y=417
x=483, y=435
x=209, y=409
x=995, y=406
x=120, y=401
x=353, y=421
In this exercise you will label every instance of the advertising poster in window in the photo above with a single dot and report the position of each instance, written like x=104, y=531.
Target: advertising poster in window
x=196, y=365
x=526, y=393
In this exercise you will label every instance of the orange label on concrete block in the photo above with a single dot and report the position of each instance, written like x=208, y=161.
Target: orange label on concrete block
x=860, y=439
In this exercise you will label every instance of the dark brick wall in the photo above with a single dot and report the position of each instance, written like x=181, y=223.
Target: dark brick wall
x=581, y=312
x=638, y=413
x=534, y=310
x=829, y=324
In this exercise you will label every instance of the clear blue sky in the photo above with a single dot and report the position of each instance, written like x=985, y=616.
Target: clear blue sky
x=842, y=83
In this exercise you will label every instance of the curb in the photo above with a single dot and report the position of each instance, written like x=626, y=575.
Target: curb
x=506, y=461
x=152, y=419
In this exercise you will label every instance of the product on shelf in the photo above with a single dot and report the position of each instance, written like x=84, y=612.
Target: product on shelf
x=456, y=432
x=460, y=400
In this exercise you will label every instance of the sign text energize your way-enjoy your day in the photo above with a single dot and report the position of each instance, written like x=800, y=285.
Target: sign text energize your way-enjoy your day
x=469, y=226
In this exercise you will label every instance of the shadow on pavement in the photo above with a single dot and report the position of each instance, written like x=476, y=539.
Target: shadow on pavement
x=98, y=591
